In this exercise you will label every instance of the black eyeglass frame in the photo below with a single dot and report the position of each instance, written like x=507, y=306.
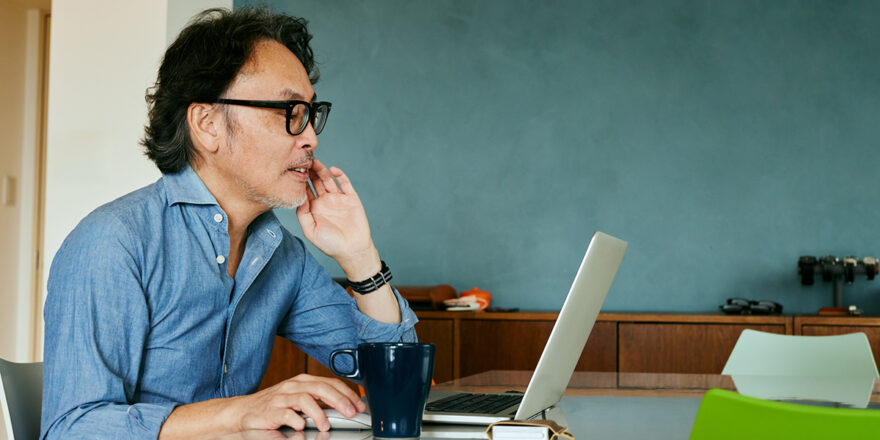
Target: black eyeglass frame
x=288, y=107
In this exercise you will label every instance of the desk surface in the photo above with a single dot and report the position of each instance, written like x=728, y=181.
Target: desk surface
x=608, y=384
x=596, y=405
x=621, y=405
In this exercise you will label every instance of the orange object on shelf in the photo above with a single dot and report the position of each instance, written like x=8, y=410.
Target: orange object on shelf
x=470, y=301
x=483, y=298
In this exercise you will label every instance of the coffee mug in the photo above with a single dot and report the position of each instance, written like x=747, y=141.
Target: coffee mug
x=397, y=378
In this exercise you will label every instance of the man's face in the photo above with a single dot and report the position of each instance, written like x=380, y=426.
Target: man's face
x=262, y=161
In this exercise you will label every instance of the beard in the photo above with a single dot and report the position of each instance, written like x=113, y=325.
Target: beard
x=270, y=201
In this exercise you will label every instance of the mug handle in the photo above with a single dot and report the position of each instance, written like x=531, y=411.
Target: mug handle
x=354, y=374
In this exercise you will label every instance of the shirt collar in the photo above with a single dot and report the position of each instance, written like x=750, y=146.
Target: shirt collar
x=268, y=228
x=186, y=186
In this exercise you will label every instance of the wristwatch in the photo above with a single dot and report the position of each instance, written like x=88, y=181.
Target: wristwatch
x=870, y=267
x=849, y=269
x=372, y=283
x=807, y=267
x=828, y=262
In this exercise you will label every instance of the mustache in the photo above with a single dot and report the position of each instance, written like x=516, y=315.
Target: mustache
x=306, y=162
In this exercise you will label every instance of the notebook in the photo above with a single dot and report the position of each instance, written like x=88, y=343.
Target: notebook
x=561, y=353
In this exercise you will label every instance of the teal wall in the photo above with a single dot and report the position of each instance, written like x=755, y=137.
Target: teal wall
x=722, y=139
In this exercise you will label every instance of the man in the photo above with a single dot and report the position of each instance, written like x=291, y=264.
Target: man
x=163, y=304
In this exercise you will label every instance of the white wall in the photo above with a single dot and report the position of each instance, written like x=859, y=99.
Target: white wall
x=100, y=68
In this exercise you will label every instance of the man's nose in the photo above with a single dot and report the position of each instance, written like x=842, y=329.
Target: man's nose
x=308, y=137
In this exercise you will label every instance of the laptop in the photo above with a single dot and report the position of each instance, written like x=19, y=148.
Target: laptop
x=561, y=353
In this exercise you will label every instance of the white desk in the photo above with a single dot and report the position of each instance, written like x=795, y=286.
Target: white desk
x=595, y=406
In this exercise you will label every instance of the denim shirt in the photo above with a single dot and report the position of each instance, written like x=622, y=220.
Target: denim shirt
x=141, y=315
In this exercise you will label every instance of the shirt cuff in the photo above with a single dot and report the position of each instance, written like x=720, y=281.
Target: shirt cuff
x=109, y=420
x=371, y=330
x=145, y=420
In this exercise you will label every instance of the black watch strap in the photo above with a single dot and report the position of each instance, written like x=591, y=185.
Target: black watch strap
x=373, y=283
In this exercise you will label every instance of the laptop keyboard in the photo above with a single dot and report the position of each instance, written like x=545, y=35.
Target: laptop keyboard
x=472, y=403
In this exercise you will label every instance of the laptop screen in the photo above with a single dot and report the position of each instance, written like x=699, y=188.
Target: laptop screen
x=574, y=324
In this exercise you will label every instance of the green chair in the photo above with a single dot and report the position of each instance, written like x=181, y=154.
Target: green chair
x=728, y=415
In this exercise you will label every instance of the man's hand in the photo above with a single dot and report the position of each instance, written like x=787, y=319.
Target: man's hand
x=334, y=220
x=281, y=405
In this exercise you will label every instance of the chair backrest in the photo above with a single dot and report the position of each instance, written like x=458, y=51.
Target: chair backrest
x=725, y=415
x=21, y=395
x=838, y=368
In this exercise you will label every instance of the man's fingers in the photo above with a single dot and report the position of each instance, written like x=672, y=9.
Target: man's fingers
x=333, y=397
x=304, y=215
x=309, y=407
x=343, y=180
x=290, y=418
x=310, y=192
x=333, y=392
x=325, y=175
x=353, y=398
x=317, y=182
x=340, y=386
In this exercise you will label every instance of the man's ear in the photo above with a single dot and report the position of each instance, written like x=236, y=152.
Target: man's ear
x=205, y=127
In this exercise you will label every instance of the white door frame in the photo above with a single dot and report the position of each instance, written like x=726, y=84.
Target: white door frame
x=29, y=293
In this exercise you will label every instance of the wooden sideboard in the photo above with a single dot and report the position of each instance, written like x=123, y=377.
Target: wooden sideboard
x=473, y=342
x=826, y=325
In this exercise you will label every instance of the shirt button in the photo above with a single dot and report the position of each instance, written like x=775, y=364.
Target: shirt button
x=221, y=259
x=218, y=218
x=270, y=233
x=225, y=369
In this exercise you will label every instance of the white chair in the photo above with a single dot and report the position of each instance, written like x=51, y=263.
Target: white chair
x=838, y=368
x=21, y=394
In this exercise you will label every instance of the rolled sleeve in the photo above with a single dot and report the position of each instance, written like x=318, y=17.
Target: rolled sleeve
x=370, y=330
x=111, y=420
x=323, y=317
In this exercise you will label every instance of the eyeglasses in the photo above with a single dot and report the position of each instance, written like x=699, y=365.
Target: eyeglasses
x=298, y=113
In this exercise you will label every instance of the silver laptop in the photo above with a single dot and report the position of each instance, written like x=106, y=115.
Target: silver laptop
x=560, y=355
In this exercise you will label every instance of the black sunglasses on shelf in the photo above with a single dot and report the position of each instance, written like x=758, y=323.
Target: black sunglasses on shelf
x=299, y=113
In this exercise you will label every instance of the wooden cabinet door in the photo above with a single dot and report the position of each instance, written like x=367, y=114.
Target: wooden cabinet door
x=697, y=348
x=873, y=333
x=440, y=333
x=518, y=344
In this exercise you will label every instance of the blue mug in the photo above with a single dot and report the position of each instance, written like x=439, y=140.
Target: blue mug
x=397, y=378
